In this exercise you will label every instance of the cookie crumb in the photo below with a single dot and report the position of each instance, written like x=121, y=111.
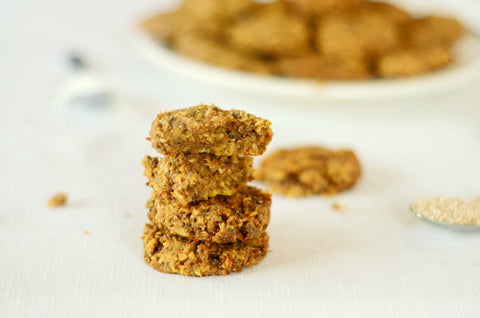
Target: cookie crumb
x=127, y=215
x=86, y=232
x=57, y=200
x=337, y=207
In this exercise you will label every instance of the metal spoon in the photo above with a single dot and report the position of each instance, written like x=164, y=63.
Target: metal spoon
x=448, y=206
x=86, y=88
x=452, y=226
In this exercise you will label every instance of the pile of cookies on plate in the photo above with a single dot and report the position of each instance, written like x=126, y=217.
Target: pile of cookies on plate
x=333, y=40
x=204, y=218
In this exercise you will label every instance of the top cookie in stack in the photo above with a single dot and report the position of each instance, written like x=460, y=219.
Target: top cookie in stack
x=205, y=220
x=209, y=129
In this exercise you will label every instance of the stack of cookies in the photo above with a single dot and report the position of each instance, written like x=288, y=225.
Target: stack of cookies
x=204, y=218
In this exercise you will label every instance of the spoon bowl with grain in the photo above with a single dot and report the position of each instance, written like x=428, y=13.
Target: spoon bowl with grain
x=453, y=213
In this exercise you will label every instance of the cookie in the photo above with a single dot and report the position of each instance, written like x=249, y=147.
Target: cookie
x=272, y=30
x=385, y=11
x=177, y=255
x=206, y=17
x=209, y=129
x=433, y=30
x=220, y=10
x=170, y=26
x=205, y=49
x=194, y=177
x=319, y=67
x=358, y=34
x=318, y=7
x=242, y=216
x=309, y=170
x=413, y=61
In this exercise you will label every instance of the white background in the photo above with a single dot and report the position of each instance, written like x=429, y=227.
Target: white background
x=373, y=260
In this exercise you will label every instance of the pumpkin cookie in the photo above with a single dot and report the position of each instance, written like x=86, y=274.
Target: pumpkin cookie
x=206, y=17
x=318, y=7
x=433, y=30
x=413, y=61
x=366, y=32
x=204, y=48
x=242, y=216
x=384, y=11
x=309, y=170
x=272, y=30
x=220, y=10
x=194, y=177
x=209, y=129
x=319, y=67
x=169, y=26
x=174, y=254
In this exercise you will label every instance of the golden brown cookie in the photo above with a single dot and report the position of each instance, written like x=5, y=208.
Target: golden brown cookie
x=177, y=255
x=194, y=177
x=348, y=34
x=206, y=17
x=205, y=49
x=319, y=67
x=433, y=30
x=243, y=216
x=309, y=170
x=209, y=129
x=171, y=25
x=413, y=61
x=219, y=10
x=384, y=11
x=318, y=7
x=272, y=30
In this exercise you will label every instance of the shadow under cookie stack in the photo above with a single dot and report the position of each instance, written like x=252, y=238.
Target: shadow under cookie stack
x=204, y=218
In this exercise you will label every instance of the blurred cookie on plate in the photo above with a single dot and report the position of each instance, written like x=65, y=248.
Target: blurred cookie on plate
x=320, y=67
x=413, y=61
x=433, y=30
x=202, y=48
x=271, y=30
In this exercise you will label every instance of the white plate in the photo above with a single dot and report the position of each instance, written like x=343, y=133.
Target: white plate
x=465, y=68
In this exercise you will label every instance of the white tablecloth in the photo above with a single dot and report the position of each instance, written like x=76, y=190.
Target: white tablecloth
x=372, y=260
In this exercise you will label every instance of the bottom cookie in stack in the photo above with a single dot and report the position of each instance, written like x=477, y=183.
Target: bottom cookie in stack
x=174, y=254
